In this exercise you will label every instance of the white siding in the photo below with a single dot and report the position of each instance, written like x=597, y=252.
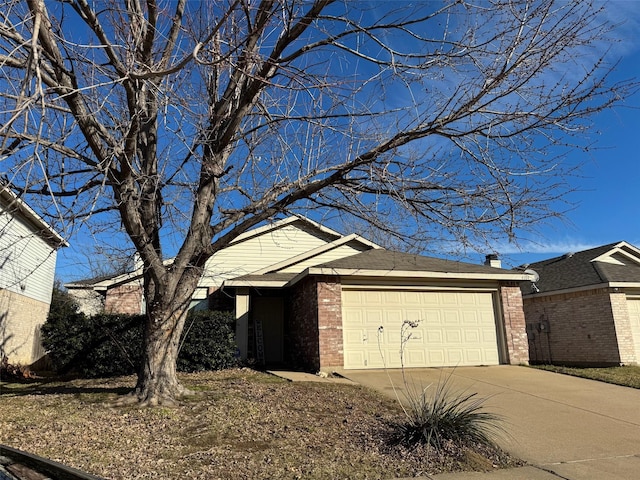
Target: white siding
x=261, y=251
x=27, y=262
x=333, y=254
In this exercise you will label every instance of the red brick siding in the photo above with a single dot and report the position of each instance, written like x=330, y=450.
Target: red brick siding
x=314, y=324
x=329, y=292
x=303, y=346
x=581, y=328
x=514, y=324
x=124, y=299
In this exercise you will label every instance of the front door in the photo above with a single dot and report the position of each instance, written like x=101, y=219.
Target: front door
x=270, y=312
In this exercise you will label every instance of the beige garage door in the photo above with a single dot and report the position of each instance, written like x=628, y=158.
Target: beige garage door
x=633, y=304
x=453, y=328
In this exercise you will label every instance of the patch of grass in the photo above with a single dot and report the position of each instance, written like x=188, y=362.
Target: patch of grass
x=242, y=424
x=627, y=376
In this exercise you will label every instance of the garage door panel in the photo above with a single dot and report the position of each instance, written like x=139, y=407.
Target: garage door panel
x=412, y=298
x=473, y=356
x=491, y=358
x=467, y=300
x=453, y=328
x=471, y=318
x=453, y=336
x=451, y=299
x=392, y=297
x=353, y=336
x=393, y=316
x=436, y=357
x=416, y=356
x=353, y=317
x=434, y=337
x=473, y=336
x=451, y=317
x=454, y=356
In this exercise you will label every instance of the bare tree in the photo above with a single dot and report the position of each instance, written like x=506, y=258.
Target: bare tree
x=187, y=123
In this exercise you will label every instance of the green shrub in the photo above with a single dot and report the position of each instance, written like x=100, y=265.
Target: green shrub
x=96, y=346
x=109, y=344
x=435, y=417
x=208, y=342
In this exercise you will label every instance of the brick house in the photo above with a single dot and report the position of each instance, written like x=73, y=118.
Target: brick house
x=28, y=251
x=585, y=307
x=309, y=297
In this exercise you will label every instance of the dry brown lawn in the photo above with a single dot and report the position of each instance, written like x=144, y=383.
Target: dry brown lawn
x=242, y=424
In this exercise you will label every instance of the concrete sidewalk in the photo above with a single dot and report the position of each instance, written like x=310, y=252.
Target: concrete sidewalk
x=564, y=427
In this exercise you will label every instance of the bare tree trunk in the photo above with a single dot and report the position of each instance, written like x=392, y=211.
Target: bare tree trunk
x=157, y=379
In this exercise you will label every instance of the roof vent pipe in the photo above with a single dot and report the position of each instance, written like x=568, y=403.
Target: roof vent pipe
x=492, y=260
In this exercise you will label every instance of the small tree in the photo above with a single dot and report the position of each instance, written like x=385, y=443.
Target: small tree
x=188, y=123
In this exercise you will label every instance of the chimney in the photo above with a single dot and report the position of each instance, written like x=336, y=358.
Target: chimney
x=492, y=260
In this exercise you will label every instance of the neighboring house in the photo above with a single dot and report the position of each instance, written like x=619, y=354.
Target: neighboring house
x=585, y=307
x=28, y=249
x=312, y=298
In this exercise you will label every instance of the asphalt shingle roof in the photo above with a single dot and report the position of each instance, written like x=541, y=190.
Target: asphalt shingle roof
x=578, y=269
x=379, y=259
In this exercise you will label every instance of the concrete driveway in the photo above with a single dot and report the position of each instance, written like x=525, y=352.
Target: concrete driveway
x=565, y=427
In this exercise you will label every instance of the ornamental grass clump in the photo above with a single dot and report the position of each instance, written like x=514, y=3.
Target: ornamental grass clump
x=437, y=415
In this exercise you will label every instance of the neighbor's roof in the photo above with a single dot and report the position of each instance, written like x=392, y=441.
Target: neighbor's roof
x=615, y=264
x=11, y=203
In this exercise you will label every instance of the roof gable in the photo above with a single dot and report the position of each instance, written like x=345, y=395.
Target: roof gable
x=272, y=227
x=275, y=247
x=315, y=256
x=612, y=263
x=283, y=244
x=622, y=253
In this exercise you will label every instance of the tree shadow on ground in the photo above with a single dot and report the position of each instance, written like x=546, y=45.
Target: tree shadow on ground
x=38, y=386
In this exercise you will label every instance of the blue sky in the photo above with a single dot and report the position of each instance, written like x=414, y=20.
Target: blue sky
x=605, y=203
x=608, y=189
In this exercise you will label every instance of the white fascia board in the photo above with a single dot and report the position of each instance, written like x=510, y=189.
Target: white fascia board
x=624, y=284
x=235, y=283
x=620, y=249
x=518, y=277
x=14, y=202
x=369, y=243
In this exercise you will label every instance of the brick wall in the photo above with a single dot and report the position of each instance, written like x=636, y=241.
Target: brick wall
x=581, y=328
x=329, y=292
x=514, y=324
x=302, y=347
x=314, y=324
x=124, y=299
x=620, y=312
